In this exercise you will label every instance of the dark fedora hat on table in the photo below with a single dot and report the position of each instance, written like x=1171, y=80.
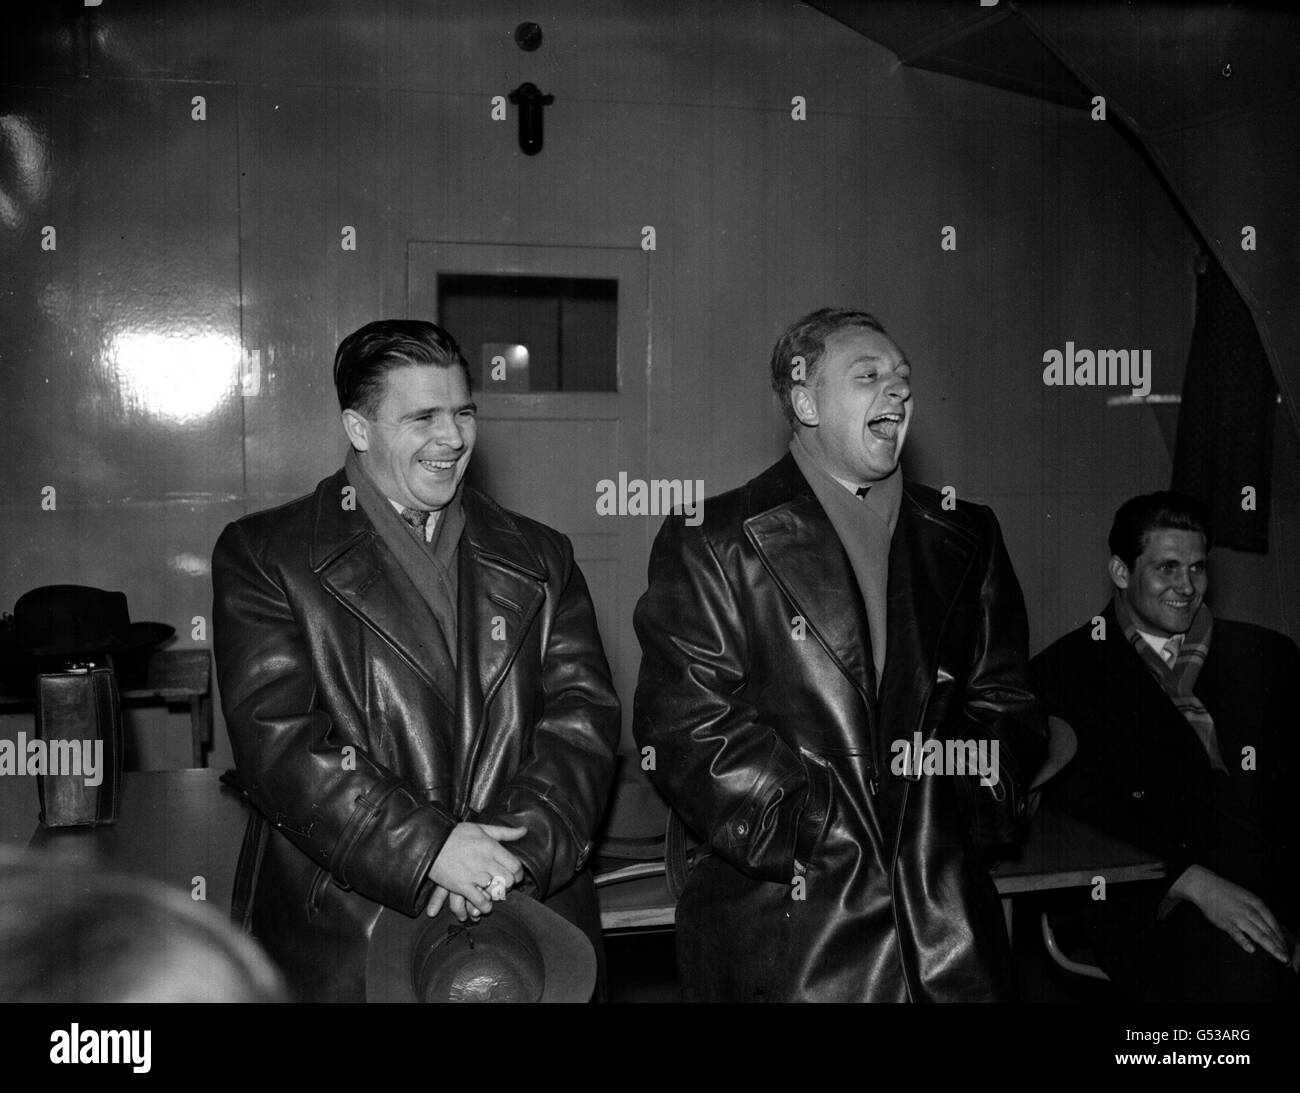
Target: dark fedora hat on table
x=70, y=620
x=521, y=952
x=61, y=622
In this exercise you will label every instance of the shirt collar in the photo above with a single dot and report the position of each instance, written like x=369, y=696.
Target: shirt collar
x=353, y=461
x=431, y=524
x=1155, y=641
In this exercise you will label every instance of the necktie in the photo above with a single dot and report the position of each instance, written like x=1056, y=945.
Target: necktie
x=416, y=518
x=1169, y=653
x=862, y=492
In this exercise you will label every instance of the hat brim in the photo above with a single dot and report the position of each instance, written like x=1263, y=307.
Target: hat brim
x=142, y=635
x=1061, y=746
x=135, y=638
x=568, y=960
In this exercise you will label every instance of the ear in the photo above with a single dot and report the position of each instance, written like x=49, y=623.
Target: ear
x=1118, y=571
x=804, y=404
x=358, y=430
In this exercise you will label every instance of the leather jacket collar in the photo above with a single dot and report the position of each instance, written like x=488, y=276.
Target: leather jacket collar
x=929, y=557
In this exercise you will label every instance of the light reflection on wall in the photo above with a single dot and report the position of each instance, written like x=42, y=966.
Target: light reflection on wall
x=173, y=376
x=24, y=168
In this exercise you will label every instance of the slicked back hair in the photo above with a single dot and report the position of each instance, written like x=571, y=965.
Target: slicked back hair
x=366, y=356
x=806, y=339
x=1139, y=516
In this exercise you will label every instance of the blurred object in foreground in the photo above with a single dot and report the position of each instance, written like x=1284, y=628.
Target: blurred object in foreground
x=67, y=935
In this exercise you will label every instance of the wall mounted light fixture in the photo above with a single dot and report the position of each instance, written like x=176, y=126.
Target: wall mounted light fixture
x=530, y=100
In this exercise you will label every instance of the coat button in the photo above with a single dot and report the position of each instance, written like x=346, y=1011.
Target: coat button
x=741, y=829
x=1138, y=794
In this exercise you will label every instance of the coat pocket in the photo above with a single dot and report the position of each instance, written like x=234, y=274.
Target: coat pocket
x=815, y=818
x=248, y=870
x=316, y=893
x=995, y=815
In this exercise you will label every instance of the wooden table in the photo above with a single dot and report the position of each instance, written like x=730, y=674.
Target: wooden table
x=178, y=825
x=173, y=826
x=173, y=677
x=1062, y=852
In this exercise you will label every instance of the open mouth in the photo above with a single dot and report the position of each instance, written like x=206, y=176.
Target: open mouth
x=885, y=426
x=1178, y=605
x=438, y=466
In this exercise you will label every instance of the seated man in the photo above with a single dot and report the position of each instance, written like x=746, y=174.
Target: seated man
x=1186, y=728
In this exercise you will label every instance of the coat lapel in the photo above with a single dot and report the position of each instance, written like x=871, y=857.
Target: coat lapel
x=799, y=548
x=928, y=560
x=358, y=569
x=1157, y=730
x=502, y=585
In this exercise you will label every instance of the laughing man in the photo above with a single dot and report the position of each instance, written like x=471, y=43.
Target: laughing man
x=417, y=696
x=819, y=613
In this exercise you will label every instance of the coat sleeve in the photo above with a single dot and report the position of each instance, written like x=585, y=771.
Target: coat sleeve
x=999, y=702
x=734, y=781
x=330, y=798
x=559, y=792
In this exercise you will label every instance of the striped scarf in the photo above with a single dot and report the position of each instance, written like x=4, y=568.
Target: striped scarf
x=1178, y=679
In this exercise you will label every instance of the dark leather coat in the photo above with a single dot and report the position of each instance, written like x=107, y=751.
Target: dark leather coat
x=329, y=681
x=773, y=748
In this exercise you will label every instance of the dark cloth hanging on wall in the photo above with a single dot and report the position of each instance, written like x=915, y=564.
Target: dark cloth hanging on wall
x=1225, y=421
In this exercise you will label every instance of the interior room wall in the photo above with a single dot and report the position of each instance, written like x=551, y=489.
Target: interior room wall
x=184, y=244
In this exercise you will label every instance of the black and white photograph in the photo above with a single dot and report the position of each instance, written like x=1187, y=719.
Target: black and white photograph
x=605, y=502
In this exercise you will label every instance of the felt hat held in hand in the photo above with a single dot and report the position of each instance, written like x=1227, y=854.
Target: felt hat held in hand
x=521, y=952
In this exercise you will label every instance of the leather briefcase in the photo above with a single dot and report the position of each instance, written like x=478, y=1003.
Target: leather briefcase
x=79, y=724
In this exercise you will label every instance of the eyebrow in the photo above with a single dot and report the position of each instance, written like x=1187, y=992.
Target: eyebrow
x=861, y=358
x=414, y=414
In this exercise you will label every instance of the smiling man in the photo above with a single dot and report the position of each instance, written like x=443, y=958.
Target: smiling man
x=1187, y=735
x=416, y=693
x=818, y=614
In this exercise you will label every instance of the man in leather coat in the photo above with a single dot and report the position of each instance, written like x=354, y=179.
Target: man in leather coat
x=418, y=701
x=806, y=651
